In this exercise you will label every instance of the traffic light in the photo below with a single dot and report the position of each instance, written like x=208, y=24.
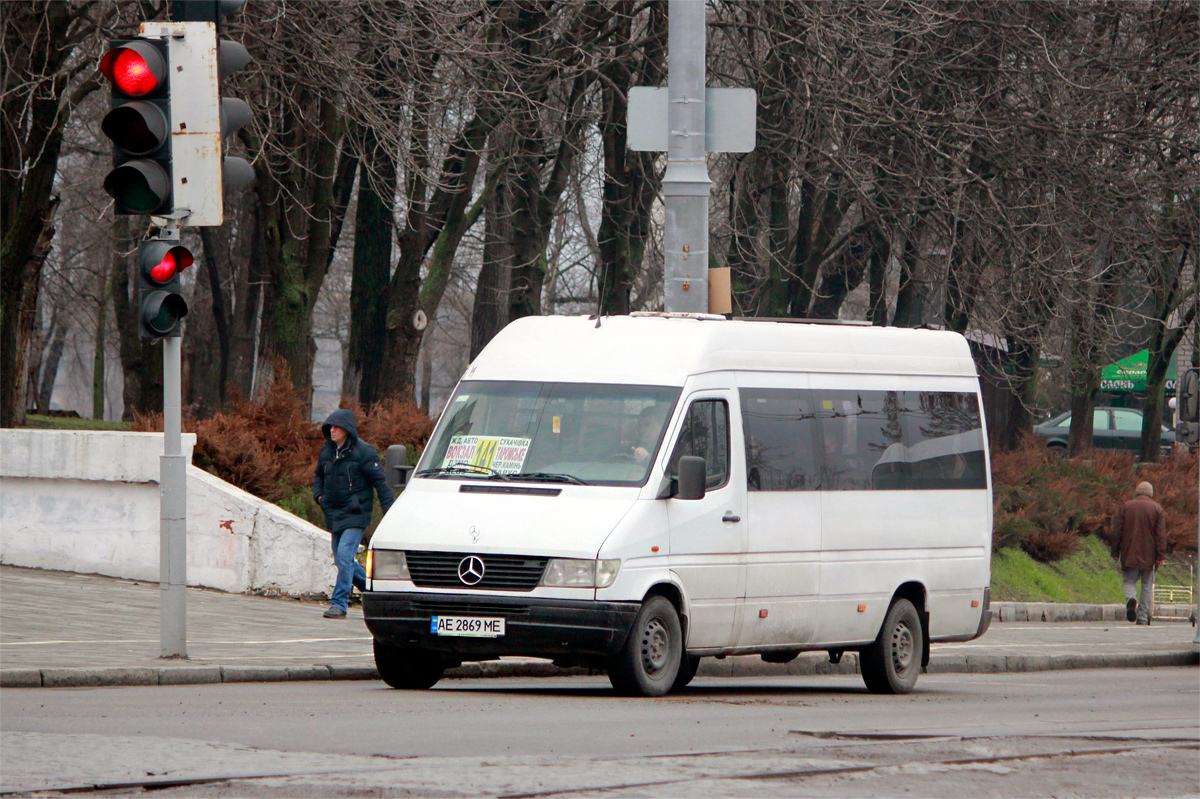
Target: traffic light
x=139, y=125
x=161, y=306
x=235, y=114
x=227, y=172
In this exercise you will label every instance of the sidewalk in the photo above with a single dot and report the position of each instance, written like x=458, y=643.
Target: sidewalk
x=63, y=629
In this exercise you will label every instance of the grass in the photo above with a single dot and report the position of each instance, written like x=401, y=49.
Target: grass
x=40, y=422
x=1089, y=576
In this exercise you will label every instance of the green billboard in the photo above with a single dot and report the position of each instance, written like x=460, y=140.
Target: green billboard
x=1128, y=375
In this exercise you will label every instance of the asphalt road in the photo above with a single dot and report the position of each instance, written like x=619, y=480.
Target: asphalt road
x=1093, y=733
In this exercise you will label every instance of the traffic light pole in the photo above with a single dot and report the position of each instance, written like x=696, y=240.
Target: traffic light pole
x=686, y=183
x=172, y=546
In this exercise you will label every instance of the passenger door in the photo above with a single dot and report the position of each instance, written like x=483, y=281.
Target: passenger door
x=783, y=511
x=707, y=536
x=1102, y=433
x=1127, y=430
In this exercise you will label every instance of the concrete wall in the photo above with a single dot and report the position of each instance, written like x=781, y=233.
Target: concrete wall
x=88, y=502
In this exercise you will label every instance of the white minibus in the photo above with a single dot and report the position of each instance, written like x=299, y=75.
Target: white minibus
x=636, y=493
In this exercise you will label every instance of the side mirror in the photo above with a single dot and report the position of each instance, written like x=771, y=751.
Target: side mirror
x=398, y=469
x=690, y=484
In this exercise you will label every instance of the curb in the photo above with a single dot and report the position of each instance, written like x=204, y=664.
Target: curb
x=1063, y=612
x=806, y=664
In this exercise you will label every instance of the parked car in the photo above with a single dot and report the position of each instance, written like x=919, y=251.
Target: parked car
x=1112, y=428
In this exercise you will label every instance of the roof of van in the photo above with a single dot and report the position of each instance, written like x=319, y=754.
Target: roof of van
x=665, y=349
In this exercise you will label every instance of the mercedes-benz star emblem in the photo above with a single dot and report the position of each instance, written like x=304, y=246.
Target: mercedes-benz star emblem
x=470, y=570
x=474, y=533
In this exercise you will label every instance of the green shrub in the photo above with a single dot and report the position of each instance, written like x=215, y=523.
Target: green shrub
x=299, y=501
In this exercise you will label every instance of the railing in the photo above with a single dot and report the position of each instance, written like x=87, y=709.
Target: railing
x=1173, y=595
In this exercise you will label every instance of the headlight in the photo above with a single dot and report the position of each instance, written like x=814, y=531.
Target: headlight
x=573, y=573
x=387, y=564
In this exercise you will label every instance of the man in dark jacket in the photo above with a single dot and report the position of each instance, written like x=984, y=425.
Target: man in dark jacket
x=1141, y=532
x=348, y=469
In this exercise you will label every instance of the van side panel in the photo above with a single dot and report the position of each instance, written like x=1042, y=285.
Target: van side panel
x=783, y=568
x=874, y=541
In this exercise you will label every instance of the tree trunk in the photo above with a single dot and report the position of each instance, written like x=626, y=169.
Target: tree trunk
x=374, y=226
x=881, y=253
x=98, y=391
x=842, y=276
x=49, y=370
x=631, y=181
x=202, y=355
x=36, y=106
x=1023, y=376
x=451, y=213
x=489, y=314
x=304, y=205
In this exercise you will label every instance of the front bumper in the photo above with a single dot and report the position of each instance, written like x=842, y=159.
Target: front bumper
x=548, y=628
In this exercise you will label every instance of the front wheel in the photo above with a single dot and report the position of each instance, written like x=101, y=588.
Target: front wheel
x=892, y=663
x=649, y=662
x=687, y=670
x=412, y=669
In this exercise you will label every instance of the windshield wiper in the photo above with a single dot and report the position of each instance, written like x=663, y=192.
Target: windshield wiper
x=548, y=477
x=463, y=468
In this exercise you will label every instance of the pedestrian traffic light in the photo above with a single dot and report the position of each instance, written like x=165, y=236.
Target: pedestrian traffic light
x=139, y=125
x=161, y=306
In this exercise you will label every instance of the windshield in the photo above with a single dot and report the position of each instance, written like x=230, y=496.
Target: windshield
x=550, y=432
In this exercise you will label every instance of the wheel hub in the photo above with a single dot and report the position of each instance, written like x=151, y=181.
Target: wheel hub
x=902, y=648
x=655, y=646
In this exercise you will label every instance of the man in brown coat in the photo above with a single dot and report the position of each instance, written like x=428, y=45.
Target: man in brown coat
x=1141, y=531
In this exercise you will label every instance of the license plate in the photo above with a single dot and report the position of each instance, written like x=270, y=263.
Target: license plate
x=467, y=626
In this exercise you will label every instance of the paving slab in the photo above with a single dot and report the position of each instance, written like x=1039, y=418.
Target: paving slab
x=59, y=629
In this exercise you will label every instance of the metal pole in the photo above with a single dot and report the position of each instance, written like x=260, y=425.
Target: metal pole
x=172, y=562
x=685, y=182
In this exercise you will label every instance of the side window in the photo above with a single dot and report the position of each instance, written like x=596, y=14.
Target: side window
x=705, y=433
x=944, y=437
x=1099, y=420
x=1127, y=420
x=779, y=430
x=855, y=428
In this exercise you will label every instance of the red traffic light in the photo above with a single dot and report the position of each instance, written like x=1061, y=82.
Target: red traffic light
x=135, y=68
x=174, y=261
x=161, y=306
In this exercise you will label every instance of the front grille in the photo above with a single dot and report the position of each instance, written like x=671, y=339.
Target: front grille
x=500, y=573
x=426, y=608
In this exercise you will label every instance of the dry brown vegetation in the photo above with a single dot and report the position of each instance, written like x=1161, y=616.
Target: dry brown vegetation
x=1045, y=504
x=268, y=446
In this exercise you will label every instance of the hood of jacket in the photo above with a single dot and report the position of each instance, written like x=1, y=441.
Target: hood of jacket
x=344, y=419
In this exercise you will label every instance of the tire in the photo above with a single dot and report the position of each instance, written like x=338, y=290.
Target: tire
x=1058, y=449
x=649, y=662
x=891, y=664
x=687, y=670
x=411, y=669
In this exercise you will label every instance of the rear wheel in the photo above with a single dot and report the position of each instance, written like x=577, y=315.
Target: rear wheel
x=649, y=662
x=892, y=663
x=413, y=669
